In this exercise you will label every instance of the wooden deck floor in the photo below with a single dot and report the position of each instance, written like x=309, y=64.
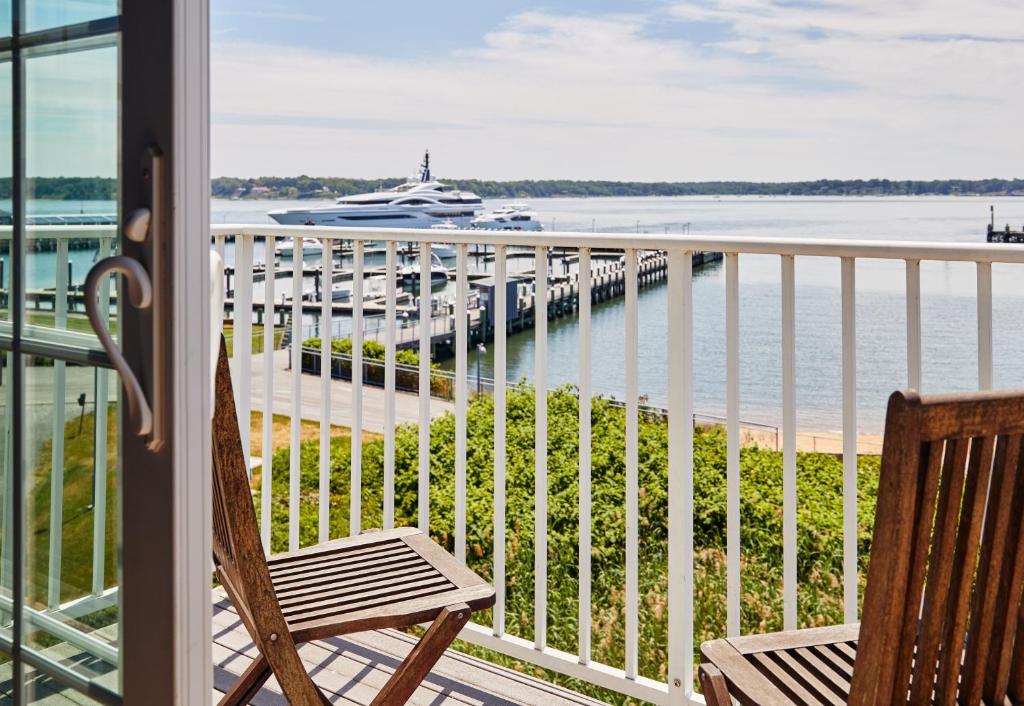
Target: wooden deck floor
x=350, y=670
x=353, y=668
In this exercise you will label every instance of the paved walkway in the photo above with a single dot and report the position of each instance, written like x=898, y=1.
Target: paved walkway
x=406, y=404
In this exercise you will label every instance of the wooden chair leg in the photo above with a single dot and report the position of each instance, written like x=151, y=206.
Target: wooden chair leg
x=249, y=684
x=714, y=686
x=411, y=672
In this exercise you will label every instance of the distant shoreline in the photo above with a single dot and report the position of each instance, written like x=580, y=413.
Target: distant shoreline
x=305, y=187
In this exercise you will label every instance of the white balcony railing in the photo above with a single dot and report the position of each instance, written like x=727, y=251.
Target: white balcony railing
x=624, y=677
x=675, y=687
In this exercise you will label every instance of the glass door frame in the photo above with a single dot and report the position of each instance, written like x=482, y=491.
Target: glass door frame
x=165, y=613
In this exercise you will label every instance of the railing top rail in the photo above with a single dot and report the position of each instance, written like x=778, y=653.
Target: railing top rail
x=812, y=247
x=62, y=231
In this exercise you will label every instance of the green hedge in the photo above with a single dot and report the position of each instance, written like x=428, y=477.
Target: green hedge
x=374, y=374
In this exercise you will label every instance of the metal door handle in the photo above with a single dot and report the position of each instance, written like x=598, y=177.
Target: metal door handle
x=145, y=226
x=140, y=291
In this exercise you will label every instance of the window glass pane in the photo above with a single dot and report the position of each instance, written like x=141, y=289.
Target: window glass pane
x=44, y=14
x=71, y=134
x=71, y=507
x=5, y=183
x=6, y=499
x=42, y=689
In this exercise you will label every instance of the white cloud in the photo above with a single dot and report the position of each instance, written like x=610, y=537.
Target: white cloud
x=831, y=89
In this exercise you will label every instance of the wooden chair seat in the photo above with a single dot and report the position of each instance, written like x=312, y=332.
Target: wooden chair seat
x=386, y=579
x=807, y=667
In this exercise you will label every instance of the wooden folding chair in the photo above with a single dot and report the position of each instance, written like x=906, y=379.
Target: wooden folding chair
x=942, y=621
x=388, y=579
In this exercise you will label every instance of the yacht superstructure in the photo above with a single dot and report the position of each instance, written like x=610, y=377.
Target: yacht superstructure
x=420, y=202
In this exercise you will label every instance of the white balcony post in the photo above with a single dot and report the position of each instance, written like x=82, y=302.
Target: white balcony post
x=295, y=459
x=914, y=324
x=680, y=477
x=585, y=442
x=461, y=394
x=632, y=346
x=424, y=375
x=356, y=456
x=500, y=313
x=242, y=341
x=390, y=273
x=267, y=447
x=789, y=526
x=326, y=363
x=540, y=449
x=732, y=405
x=56, y=544
x=99, y=455
x=849, y=323
x=984, y=325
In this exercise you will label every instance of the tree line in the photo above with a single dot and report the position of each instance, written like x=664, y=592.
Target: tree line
x=306, y=187
x=302, y=187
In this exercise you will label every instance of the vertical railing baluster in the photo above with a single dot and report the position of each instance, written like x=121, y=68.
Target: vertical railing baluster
x=267, y=447
x=356, y=483
x=326, y=363
x=461, y=344
x=732, y=454
x=585, y=529
x=391, y=274
x=295, y=458
x=423, y=496
x=984, y=325
x=101, y=396
x=632, y=346
x=849, y=338
x=540, y=450
x=242, y=341
x=914, y=324
x=680, y=477
x=56, y=543
x=789, y=554
x=500, y=316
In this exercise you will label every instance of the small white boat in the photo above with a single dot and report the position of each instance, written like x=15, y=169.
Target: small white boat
x=438, y=272
x=446, y=224
x=513, y=216
x=310, y=246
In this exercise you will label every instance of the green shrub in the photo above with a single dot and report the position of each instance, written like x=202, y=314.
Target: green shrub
x=819, y=523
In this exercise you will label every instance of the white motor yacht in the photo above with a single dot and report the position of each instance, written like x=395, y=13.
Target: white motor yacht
x=310, y=246
x=513, y=216
x=438, y=272
x=418, y=203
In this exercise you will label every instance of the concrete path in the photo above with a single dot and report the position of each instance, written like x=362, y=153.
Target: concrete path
x=406, y=404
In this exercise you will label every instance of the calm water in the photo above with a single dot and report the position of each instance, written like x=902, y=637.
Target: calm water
x=949, y=316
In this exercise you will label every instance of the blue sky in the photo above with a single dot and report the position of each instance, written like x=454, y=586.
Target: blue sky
x=648, y=89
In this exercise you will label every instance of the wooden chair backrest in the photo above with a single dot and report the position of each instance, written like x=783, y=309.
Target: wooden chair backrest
x=942, y=603
x=238, y=551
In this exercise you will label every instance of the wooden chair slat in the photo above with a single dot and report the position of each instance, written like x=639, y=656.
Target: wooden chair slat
x=990, y=565
x=778, y=674
x=395, y=578
x=942, y=618
x=824, y=672
x=925, y=509
x=958, y=594
x=840, y=663
x=940, y=570
x=997, y=603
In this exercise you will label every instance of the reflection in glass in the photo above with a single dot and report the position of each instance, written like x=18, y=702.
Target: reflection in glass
x=71, y=133
x=71, y=508
x=44, y=14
